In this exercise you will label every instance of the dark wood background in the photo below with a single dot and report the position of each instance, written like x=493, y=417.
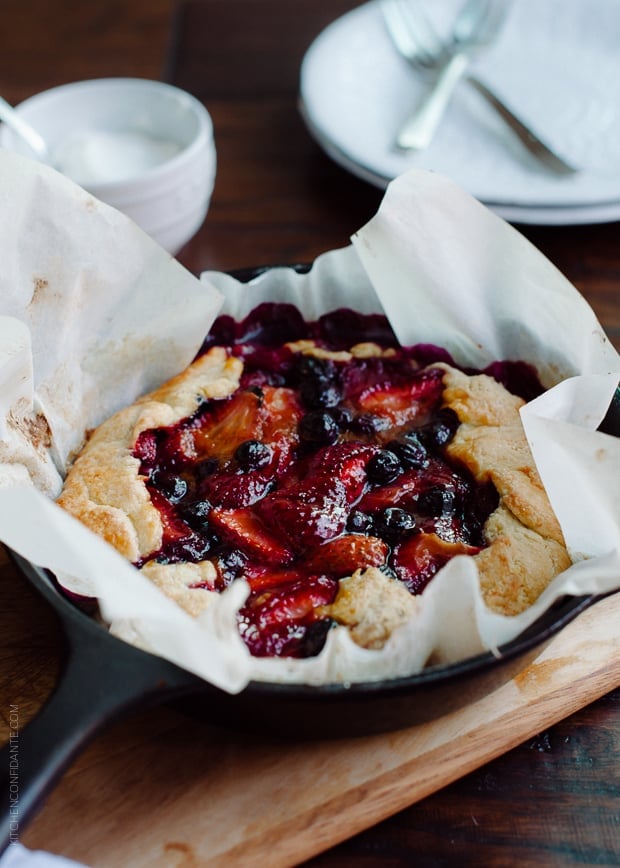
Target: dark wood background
x=554, y=801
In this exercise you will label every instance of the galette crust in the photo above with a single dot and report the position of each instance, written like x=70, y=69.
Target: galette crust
x=189, y=585
x=104, y=489
x=526, y=547
x=525, y=550
x=371, y=605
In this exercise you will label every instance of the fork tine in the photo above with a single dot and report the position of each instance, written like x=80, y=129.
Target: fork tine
x=421, y=32
x=413, y=34
x=398, y=29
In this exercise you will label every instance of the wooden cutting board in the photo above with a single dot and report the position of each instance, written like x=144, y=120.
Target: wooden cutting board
x=160, y=789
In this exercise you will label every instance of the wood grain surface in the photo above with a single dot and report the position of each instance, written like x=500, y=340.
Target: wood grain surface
x=541, y=787
x=224, y=799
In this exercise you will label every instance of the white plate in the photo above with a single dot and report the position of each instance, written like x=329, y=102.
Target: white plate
x=556, y=63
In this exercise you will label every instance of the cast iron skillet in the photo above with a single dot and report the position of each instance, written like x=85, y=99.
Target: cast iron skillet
x=104, y=678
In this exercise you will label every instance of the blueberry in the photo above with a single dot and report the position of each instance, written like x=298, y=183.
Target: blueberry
x=318, y=382
x=313, y=368
x=196, y=514
x=198, y=547
x=314, y=637
x=316, y=394
x=393, y=522
x=232, y=563
x=359, y=522
x=440, y=431
x=368, y=424
x=318, y=428
x=409, y=449
x=383, y=467
x=252, y=454
x=173, y=487
x=437, y=500
x=193, y=549
x=342, y=416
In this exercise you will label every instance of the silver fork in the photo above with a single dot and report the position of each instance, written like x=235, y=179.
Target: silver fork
x=475, y=27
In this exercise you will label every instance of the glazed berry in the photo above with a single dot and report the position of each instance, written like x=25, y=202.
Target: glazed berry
x=196, y=514
x=359, y=522
x=409, y=450
x=173, y=487
x=318, y=428
x=252, y=454
x=342, y=416
x=317, y=381
x=316, y=394
x=368, y=424
x=231, y=564
x=437, y=500
x=314, y=637
x=384, y=467
x=192, y=549
x=313, y=368
x=441, y=430
x=393, y=522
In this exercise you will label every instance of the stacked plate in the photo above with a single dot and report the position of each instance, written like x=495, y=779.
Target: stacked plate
x=556, y=64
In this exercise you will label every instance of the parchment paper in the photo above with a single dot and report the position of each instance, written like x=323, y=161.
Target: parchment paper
x=96, y=314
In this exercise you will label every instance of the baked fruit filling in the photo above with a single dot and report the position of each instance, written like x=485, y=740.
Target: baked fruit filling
x=332, y=469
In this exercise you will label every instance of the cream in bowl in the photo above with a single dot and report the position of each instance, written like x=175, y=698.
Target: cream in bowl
x=99, y=156
x=144, y=147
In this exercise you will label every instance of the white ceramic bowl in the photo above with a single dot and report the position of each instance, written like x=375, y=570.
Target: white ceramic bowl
x=144, y=147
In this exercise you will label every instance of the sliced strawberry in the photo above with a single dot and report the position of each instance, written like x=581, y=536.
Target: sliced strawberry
x=231, y=489
x=292, y=602
x=417, y=558
x=180, y=543
x=307, y=513
x=178, y=446
x=268, y=578
x=405, y=489
x=278, y=622
x=242, y=529
x=170, y=447
x=316, y=508
x=344, y=461
x=342, y=556
x=399, y=493
x=226, y=424
x=279, y=418
x=174, y=529
x=402, y=403
x=273, y=422
x=146, y=449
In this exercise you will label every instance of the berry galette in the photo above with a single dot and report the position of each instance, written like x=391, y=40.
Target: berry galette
x=331, y=469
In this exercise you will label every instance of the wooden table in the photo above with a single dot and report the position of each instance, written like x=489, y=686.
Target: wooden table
x=555, y=799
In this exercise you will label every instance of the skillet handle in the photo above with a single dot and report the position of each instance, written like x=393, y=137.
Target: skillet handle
x=102, y=678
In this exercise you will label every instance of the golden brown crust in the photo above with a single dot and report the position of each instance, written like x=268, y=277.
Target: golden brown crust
x=479, y=399
x=104, y=489
x=502, y=456
x=518, y=564
x=372, y=606
x=189, y=585
x=526, y=547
